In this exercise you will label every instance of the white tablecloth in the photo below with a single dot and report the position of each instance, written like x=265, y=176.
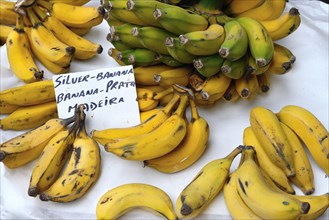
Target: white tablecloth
x=305, y=85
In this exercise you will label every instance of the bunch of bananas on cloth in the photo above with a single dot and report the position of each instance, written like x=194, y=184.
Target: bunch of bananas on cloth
x=217, y=40
x=68, y=159
x=49, y=31
x=167, y=140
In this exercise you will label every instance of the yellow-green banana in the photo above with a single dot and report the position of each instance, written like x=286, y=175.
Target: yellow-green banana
x=310, y=130
x=282, y=60
x=144, y=75
x=123, y=198
x=234, y=69
x=205, y=186
x=71, y=2
x=236, y=7
x=178, y=51
x=189, y=150
x=178, y=75
x=208, y=66
x=272, y=138
x=124, y=33
x=264, y=82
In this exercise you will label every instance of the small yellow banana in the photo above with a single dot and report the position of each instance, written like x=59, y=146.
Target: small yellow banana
x=282, y=60
x=7, y=16
x=123, y=198
x=239, y=6
x=156, y=143
x=144, y=75
x=310, y=130
x=29, y=117
x=26, y=147
x=71, y=2
x=189, y=150
x=4, y=32
x=205, y=186
x=178, y=75
x=272, y=138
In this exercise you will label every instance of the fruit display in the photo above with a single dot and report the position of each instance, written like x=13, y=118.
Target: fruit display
x=212, y=141
x=44, y=31
x=237, y=42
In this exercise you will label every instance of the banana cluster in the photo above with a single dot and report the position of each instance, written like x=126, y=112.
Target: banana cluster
x=166, y=139
x=67, y=159
x=212, y=39
x=49, y=31
x=28, y=106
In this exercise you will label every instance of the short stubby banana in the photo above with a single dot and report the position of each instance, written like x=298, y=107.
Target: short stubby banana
x=123, y=198
x=272, y=138
x=156, y=143
x=26, y=147
x=81, y=172
x=205, y=186
x=259, y=197
x=310, y=130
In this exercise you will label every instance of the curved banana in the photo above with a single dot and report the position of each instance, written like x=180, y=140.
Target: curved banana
x=144, y=75
x=153, y=38
x=236, y=7
x=79, y=31
x=205, y=42
x=47, y=44
x=310, y=130
x=71, y=2
x=234, y=69
x=124, y=33
x=29, y=94
x=177, y=20
x=205, y=186
x=148, y=99
x=19, y=55
x=235, y=205
x=178, y=75
x=260, y=42
x=253, y=68
x=7, y=16
x=79, y=16
x=304, y=178
x=272, y=138
x=26, y=147
x=82, y=170
x=275, y=173
x=282, y=60
x=258, y=195
x=189, y=150
x=104, y=136
x=283, y=26
x=29, y=117
x=121, y=199
x=178, y=51
x=235, y=44
x=156, y=143
x=208, y=66
x=52, y=160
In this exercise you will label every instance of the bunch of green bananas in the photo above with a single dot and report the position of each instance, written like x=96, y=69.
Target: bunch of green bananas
x=209, y=37
x=68, y=159
x=44, y=30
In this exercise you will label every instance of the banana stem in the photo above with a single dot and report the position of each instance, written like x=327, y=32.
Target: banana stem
x=41, y=14
x=19, y=23
x=163, y=93
x=182, y=106
x=45, y=4
x=194, y=110
x=170, y=105
x=235, y=152
x=33, y=17
x=82, y=127
x=223, y=19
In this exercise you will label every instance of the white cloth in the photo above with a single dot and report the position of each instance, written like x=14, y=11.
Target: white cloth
x=305, y=85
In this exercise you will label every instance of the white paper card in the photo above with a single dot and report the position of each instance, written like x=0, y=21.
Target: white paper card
x=109, y=96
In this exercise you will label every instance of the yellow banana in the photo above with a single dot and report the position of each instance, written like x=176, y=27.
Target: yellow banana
x=148, y=99
x=247, y=86
x=29, y=117
x=123, y=198
x=7, y=16
x=235, y=205
x=272, y=138
x=205, y=42
x=79, y=16
x=52, y=160
x=275, y=173
x=84, y=48
x=231, y=94
x=304, y=178
x=26, y=147
x=144, y=116
x=104, y=136
x=47, y=44
x=144, y=75
x=71, y=2
x=29, y=94
x=239, y=6
x=258, y=195
x=156, y=143
x=4, y=32
x=6, y=108
x=80, y=31
x=20, y=56
x=283, y=26
x=189, y=150
x=205, y=186
x=264, y=82
x=178, y=75
x=82, y=170
x=310, y=130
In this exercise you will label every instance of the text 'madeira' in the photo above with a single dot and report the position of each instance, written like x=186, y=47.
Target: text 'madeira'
x=109, y=96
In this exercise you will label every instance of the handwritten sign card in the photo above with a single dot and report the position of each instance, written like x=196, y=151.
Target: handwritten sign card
x=109, y=96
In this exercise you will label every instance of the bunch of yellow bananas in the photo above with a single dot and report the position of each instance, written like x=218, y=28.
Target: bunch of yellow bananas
x=210, y=37
x=68, y=159
x=165, y=139
x=50, y=31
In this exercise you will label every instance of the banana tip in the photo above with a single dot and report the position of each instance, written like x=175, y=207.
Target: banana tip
x=186, y=210
x=33, y=191
x=44, y=197
x=2, y=155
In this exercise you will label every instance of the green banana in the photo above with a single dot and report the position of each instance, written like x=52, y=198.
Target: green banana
x=208, y=65
x=234, y=69
x=124, y=33
x=177, y=50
